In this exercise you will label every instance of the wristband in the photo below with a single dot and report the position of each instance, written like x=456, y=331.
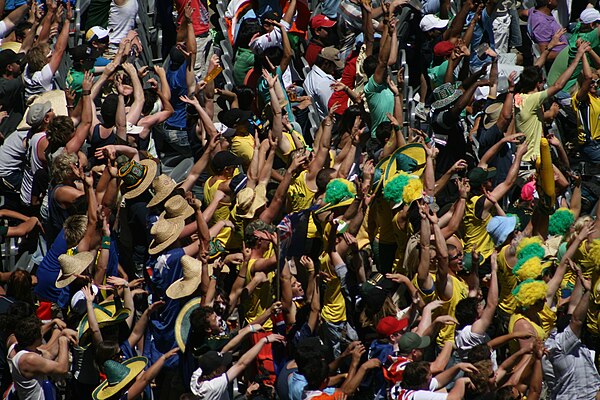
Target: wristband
x=70, y=106
x=267, y=339
x=214, y=278
x=252, y=329
x=427, y=139
x=396, y=127
x=86, y=92
x=106, y=242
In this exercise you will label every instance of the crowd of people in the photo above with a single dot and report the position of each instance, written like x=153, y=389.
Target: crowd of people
x=306, y=200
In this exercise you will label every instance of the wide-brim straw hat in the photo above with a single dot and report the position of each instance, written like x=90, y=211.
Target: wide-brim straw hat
x=164, y=233
x=177, y=207
x=189, y=282
x=183, y=324
x=148, y=174
x=162, y=186
x=256, y=199
x=71, y=266
x=119, y=378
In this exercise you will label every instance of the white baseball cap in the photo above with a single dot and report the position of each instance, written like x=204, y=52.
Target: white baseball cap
x=589, y=15
x=430, y=22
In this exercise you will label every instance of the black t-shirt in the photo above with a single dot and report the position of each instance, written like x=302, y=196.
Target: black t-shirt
x=447, y=127
x=12, y=100
x=502, y=159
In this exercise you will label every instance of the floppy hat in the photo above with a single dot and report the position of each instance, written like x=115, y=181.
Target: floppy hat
x=249, y=200
x=183, y=324
x=478, y=176
x=136, y=177
x=188, y=283
x=500, y=227
x=36, y=113
x=338, y=193
x=177, y=207
x=106, y=315
x=492, y=113
x=332, y=54
x=389, y=325
x=70, y=266
x=379, y=174
x=410, y=341
x=410, y=158
x=118, y=376
x=164, y=233
x=162, y=186
x=430, y=21
x=445, y=95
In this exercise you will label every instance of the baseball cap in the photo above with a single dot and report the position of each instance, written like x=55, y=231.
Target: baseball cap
x=589, y=15
x=97, y=33
x=234, y=116
x=389, y=325
x=478, y=176
x=224, y=159
x=212, y=360
x=332, y=54
x=37, y=112
x=238, y=182
x=134, y=129
x=321, y=21
x=375, y=290
x=430, y=22
x=83, y=52
x=443, y=48
x=224, y=130
x=8, y=57
x=410, y=341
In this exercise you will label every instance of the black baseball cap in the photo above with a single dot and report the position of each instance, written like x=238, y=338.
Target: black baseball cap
x=234, y=116
x=224, y=159
x=83, y=52
x=8, y=57
x=212, y=360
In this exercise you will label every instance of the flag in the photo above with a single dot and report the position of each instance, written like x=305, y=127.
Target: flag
x=291, y=233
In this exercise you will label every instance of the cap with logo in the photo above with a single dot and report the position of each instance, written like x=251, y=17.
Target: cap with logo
x=96, y=33
x=8, y=57
x=430, y=22
x=83, y=52
x=321, y=21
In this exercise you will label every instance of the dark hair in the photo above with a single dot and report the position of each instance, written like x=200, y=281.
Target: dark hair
x=348, y=118
x=415, y=375
x=27, y=331
x=245, y=95
x=505, y=393
x=248, y=28
x=529, y=79
x=150, y=97
x=19, y=286
x=59, y=132
x=383, y=131
x=108, y=110
x=480, y=352
x=315, y=370
x=105, y=350
x=369, y=65
x=466, y=312
x=323, y=178
x=199, y=325
x=20, y=30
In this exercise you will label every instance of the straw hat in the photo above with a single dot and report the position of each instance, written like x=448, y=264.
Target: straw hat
x=164, y=233
x=106, y=315
x=71, y=266
x=188, y=283
x=249, y=200
x=183, y=324
x=118, y=376
x=177, y=207
x=136, y=177
x=162, y=186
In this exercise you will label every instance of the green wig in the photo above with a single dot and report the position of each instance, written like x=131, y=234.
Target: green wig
x=560, y=222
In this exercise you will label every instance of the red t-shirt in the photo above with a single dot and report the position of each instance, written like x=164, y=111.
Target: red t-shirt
x=200, y=17
x=312, y=52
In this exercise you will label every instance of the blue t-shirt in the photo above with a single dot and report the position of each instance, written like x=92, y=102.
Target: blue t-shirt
x=178, y=85
x=166, y=269
x=483, y=33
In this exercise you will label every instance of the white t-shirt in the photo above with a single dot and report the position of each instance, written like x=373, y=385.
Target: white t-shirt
x=398, y=393
x=39, y=82
x=215, y=389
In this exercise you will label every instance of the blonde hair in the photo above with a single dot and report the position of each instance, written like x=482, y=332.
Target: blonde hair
x=37, y=58
x=576, y=228
x=61, y=166
x=74, y=229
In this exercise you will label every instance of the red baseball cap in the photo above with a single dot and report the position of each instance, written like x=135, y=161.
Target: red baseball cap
x=443, y=48
x=389, y=325
x=321, y=21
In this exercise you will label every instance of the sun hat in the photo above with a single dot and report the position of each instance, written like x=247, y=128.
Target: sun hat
x=500, y=227
x=430, y=21
x=332, y=54
x=249, y=200
x=478, y=176
x=492, y=113
x=338, y=193
x=96, y=33
x=182, y=322
x=443, y=48
x=402, y=189
x=410, y=158
x=445, y=95
x=164, y=233
x=118, y=376
x=162, y=186
x=36, y=113
x=389, y=325
x=321, y=21
x=410, y=341
x=106, y=314
x=177, y=207
x=136, y=177
x=589, y=15
x=188, y=283
x=71, y=266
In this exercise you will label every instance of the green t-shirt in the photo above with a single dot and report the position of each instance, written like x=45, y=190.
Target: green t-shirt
x=75, y=80
x=566, y=56
x=437, y=74
x=380, y=100
x=244, y=62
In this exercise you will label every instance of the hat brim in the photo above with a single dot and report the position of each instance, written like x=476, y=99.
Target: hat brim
x=332, y=206
x=135, y=364
x=151, y=168
x=182, y=323
x=156, y=247
x=489, y=122
x=425, y=342
x=63, y=280
x=415, y=151
x=437, y=105
x=381, y=166
x=105, y=316
x=259, y=200
x=183, y=287
x=163, y=194
x=188, y=212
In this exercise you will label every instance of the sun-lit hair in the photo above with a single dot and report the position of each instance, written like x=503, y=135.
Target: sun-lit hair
x=61, y=166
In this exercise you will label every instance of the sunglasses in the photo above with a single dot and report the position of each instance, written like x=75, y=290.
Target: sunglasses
x=595, y=82
x=458, y=255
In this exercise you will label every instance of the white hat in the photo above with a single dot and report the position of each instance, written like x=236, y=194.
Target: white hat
x=430, y=22
x=134, y=129
x=589, y=15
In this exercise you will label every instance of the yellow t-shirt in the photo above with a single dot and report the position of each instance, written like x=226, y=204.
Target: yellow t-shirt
x=583, y=259
x=384, y=226
x=460, y=290
x=475, y=233
x=401, y=236
x=589, y=112
x=334, y=305
x=289, y=136
x=243, y=147
x=547, y=321
x=300, y=197
x=260, y=299
x=507, y=281
x=529, y=120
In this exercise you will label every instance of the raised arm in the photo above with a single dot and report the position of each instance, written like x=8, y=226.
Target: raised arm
x=503, y=188
x=133, y=116
x=565, y=76
x=81, y=133
x=424, y=280
x=250, y=355
x=61, y=41
x=482, y=324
